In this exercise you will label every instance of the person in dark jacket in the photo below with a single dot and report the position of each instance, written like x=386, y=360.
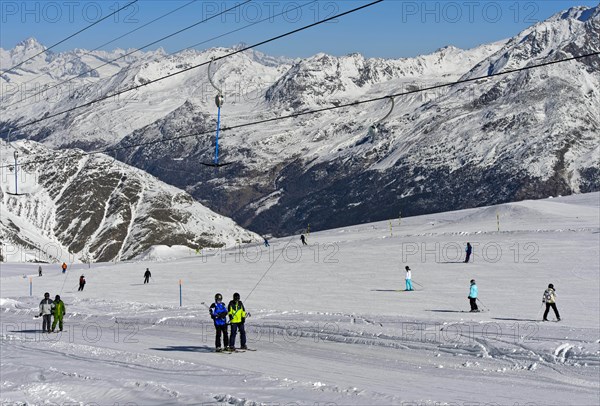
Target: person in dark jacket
x=468, y=250
x=81, y=283
x=147, y=276
x=46, y=312
x=303, y=239
x=40, y=270
x=218, y=312
x=237, y=318
x=549, y=299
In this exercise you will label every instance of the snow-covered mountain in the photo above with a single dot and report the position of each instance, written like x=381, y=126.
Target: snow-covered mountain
x=525, y=135
x=80, y=207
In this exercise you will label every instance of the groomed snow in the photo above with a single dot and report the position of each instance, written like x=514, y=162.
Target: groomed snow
x=329, y=320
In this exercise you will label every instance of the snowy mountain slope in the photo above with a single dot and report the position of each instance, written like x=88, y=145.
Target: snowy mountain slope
x=79, y=207
x=330, y=321
x=526, y=135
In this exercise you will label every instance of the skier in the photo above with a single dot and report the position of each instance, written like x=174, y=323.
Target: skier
x=468, y=250
x=266, y=241
x=473, y=296
x=64, y=267
x=549, y=299
x=218, y=312
x=147, y=276
x=408, y=279
x=237, y=317
x=46, y=312
x=40, y=270
x=58, y=311
x=303, y=239
x=81, y=283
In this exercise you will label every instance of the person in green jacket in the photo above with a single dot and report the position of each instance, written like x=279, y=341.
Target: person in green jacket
x=58, y=311
x=237, y=317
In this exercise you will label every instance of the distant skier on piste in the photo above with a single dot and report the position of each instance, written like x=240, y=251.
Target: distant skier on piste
x=147, y=276
x=303, y=239
x=473, y=292
x=408, y=279
x=58, y=312
x=468, y=250
x=549, y=299
x=237, y=318
x=218, y=312
x=64, y=267
x=266, y=242
x=46, y=312
x=40, y=270
x=81, y=283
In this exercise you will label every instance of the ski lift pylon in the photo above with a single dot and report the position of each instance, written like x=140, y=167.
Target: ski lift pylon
x=16, y=156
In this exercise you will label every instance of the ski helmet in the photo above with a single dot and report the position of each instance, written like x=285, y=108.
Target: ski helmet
x=218, y=296
x=551, y=286
x=236, y=296
x=472, y=281
x=57, y=297
x=46, y=294
x=407, y=268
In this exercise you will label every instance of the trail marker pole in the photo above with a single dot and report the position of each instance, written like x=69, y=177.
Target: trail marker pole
x=180, y=298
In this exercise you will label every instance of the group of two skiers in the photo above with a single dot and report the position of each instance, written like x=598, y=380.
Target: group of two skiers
x=549, y=298
x=49, y=309
x=237, y=314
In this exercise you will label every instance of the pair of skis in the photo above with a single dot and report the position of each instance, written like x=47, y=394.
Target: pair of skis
x=237, y=351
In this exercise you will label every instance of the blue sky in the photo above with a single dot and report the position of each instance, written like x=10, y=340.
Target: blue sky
x=391, y=29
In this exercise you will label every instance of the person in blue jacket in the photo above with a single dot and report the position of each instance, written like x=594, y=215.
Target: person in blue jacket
x=473, y=291
x=218, y=312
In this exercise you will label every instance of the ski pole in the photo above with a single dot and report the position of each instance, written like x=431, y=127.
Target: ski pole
x=417, y=283
x=537, y=316
x=484, y=306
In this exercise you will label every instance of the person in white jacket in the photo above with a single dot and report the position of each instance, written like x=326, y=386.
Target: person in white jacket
x=46, y=312
x=408, y=278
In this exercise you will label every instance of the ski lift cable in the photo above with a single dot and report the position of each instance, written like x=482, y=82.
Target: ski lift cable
x=324, y=109
x=69, y=37
x=117, y=93
x=130, y=53
x=107, y=43
x=126, y=69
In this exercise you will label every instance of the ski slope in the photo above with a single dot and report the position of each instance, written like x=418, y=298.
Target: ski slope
x=329, y=320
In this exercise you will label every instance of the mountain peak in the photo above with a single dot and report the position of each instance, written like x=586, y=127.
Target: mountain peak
x=580, y=13
x=30, y=44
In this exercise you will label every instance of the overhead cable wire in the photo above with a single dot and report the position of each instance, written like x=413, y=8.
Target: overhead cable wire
x=110, y=42
x=69, y=37
x=118, y=93
x=314, y=111
x=128, y=53
x=156, y=59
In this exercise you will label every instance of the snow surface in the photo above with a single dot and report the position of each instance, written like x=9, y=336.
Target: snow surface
x=329, y=320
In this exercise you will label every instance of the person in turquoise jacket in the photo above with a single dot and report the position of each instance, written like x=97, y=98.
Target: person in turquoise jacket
x=473, y=292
